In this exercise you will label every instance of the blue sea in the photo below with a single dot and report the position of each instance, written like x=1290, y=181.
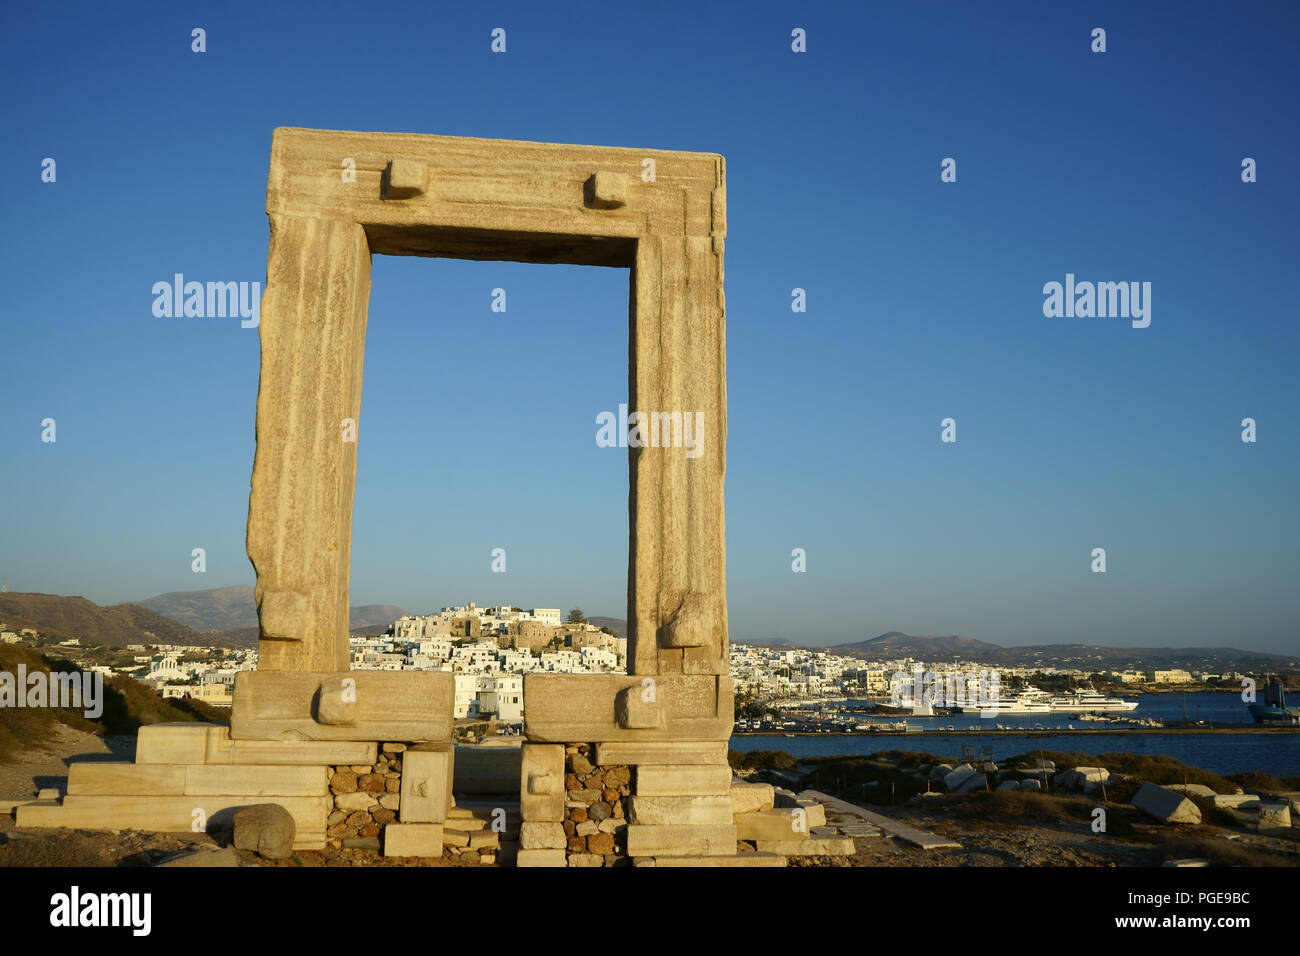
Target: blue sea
x=1275, y=753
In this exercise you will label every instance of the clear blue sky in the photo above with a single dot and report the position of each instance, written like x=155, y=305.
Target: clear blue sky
x=924, y=301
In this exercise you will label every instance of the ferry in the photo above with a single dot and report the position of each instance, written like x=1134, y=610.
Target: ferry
x=1087, y=700
x=1272, y=708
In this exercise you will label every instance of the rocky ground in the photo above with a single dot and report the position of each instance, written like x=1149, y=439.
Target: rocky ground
x=1035, y=832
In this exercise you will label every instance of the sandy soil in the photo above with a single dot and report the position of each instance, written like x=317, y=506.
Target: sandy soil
x=48, y=767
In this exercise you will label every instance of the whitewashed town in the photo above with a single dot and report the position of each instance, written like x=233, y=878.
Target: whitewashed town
x=490, y=649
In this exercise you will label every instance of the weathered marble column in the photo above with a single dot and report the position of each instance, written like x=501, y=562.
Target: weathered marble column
x=313, y=330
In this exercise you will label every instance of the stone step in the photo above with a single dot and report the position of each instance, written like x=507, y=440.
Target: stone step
x=165, y=814
x=813, y=846
x=848, y=811
x=681, y=840
x=127, y=779
x=200, y=743
x=653, y=780
x=739, y=860
x=772, y=825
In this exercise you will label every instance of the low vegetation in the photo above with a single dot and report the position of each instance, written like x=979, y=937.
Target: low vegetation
x=128, y=705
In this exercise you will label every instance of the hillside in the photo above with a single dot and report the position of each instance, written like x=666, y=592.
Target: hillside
x=929, y=649
x=232, y=610
x=115, y=625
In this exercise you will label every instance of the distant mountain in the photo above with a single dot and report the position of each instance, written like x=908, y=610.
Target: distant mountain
x=233, y=609
x=615, y=624
x=929, y=649
x=116, y=625
x=897, y=644
x=371, y=616
x=212, y=610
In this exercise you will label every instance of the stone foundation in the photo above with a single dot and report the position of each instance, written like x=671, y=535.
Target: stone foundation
x=595, y=808
x=366, y=798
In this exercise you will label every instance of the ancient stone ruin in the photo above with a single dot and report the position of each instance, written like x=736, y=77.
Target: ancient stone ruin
x=614, y=768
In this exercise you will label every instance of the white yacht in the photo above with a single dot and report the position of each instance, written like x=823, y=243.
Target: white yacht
x=1086, y=700
x=1029, y=701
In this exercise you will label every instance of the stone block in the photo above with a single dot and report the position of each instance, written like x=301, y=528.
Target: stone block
x=541, y=836
x=1237, y=801
x=406, y=179
x=667, y=781
x=541, y=858
x=170, y=814
x=740, y=860
x=680, y=840
x=773, y=825
x=813, y=846
x=374, y=705
x=336, y=702
x=564, y=707
x=680, y=810
x=261, y=781
x=427, y=781
x=954, y=781
x=751, y=797
x=633, y=711
x=664, y=752
x=606, y=190
x=358, y=800
x=814, y=811
x=177, y=743
x=1190, y=789
x=1274, y=816
x=273, y=753
x=586, y=859
x=541, y=785
x=1166, y=805
x=413, y=839
x=126, y=779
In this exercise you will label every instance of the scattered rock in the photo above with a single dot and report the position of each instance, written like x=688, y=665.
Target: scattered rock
x=266, y=829
x=1166, y=805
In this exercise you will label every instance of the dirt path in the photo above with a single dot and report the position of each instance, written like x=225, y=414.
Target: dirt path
x=48, y=767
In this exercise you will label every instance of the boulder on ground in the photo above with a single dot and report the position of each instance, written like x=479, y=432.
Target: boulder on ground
x=1274, y=816
x=751, y=797
x=267, y=829
x=959, y=776
x=1237, y=801
x=940, y=770
x=1166, y=805
x=1030, y=784
x=1092, y=778
x=1191, y=789
x=1008, y=785
x=976, y=781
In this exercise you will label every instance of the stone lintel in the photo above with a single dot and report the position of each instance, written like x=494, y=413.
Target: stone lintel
x=388, y=705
